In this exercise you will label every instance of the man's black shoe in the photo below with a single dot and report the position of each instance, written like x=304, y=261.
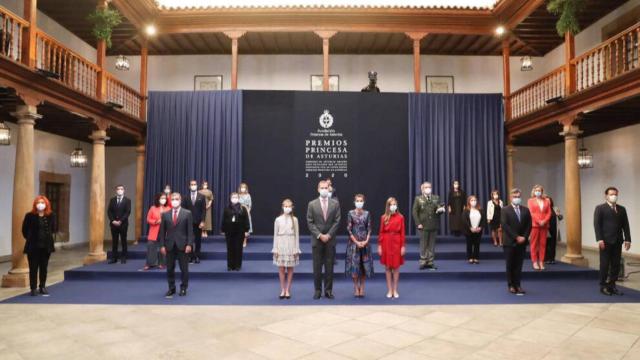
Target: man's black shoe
x=606, y=291
x=317, y=295
x=329, y=295
x=614, y=290
x=113, y=261
x=170, y=293
x=183, y=292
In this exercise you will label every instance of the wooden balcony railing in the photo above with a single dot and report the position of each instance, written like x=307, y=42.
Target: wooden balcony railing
x=73, y=69
x=612, y=58
x=534, y=96
x=69, y=67
x=11, y=34
x=119, y=93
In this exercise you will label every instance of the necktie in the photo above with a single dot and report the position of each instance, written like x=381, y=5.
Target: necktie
x=517, y=208
x=119, y=199
x=193, y=198
x=615, y=210
x=324, y=209
x=175, y=217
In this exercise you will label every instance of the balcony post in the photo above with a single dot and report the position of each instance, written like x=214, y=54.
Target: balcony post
x=144, y=58
x=29, y=33
x=416, y=37
x=506, y=78
x=325, y=35
x=570, y=69
x=101, y=49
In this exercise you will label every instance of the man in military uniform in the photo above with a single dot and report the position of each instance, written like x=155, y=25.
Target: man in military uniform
x=426, y=214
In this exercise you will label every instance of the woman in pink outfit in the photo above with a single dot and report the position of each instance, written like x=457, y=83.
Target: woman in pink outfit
x=154, y=257
x=540, y=208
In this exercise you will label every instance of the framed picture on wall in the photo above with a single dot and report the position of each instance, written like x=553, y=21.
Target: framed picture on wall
x=440, y=84
x=316, y=82
x=207, y=82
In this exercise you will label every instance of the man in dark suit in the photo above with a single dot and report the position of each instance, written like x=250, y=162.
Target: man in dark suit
x=196, y=203
x=612, y=230
x=176, y=241
x=118, y=212
x=323, y=218
x=516, y=227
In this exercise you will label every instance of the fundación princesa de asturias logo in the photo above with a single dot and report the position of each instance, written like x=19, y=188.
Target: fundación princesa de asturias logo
x=326, y=119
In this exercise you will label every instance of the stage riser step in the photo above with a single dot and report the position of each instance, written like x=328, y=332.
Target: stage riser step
x=308, y=256
x=340, y=239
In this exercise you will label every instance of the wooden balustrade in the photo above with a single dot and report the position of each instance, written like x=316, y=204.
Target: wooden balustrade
x=535, y=95
x=11, y=35
x=73, y=70
x=612, y=58
x=120, y=93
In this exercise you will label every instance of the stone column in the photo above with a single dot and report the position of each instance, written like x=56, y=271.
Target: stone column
x=140, y=153
x=97, y=198
x=511, y=149
x=573, y=211
x=23, y=194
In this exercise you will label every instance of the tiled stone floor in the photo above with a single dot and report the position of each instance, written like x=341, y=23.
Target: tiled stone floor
x=557, y=331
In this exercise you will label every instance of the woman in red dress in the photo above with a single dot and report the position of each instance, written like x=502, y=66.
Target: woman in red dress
x=391, y=245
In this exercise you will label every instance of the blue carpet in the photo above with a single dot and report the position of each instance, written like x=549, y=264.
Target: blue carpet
x=455, y=281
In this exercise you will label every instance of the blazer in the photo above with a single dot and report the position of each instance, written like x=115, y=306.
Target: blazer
x=424, y=212
x=198, y=209
x=240, y=226
x=491, y=209
x=153, y=215
x=316, y=223
x=119, y=212
x=611, y=226
x=538, y=215
x=466, y=221
x=512, y=227
x=30, y=230
x=180, y=234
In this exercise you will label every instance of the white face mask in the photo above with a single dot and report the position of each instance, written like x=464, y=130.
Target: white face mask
x=41, y=206
x=359, y=204
x=427, y=191
x=496, y=197
x=234, y=200
x=537, y=193
x=455, y=186
x=163, y=201
x=205, y=186
x=120, y=192
x=516, y=201
x=393, y=208
x=612, y=198
x=287, y=210
x=324, y=193
x=193, y=187
x=243, y=189
x=473, y=203
x=175, y=203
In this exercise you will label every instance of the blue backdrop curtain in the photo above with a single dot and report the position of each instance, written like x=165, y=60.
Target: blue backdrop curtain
x=456, y=136
x=194, y=135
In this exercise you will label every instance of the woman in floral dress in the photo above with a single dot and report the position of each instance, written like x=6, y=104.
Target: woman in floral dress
x=359, y=260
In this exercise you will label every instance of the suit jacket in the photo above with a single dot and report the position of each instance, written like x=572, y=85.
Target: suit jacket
x=180, y=233
x=424, y=212
x=30, y=231
x=466, y=221
x=119, y=212
x=240, y=226
x=316, y=223
x=610, y=226
x=198, y=209
x=538, y=215
x=512, y=227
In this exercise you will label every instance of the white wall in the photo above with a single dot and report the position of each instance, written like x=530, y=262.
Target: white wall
x=52, y=155
x=55, y=30
x=617, y=163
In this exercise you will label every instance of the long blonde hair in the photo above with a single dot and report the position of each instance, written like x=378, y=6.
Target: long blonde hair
x=293, y=218
x=387, y=211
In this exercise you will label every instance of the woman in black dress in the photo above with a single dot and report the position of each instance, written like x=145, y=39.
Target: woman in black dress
x=494, y=207
x=37, y=229
x=456, y=202
x=235, y=227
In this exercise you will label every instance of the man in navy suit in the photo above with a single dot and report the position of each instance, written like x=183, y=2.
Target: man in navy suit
x=516, y=227
x=196, y=203
x=118, y=212
x=612, y=230
x=176, y=241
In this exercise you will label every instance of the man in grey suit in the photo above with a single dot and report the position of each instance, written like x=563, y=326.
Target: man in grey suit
x=176, y=241
x=323, y=218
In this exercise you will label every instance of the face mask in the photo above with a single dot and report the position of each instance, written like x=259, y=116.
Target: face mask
x=175, y=203
x=167, y=191
x=516, y=201
x=455, y=186
x=163, y=201
x=193, y=187
x=538, y=193
x=120, y=192
x=393, y=208
x=205, y=186
x=234, y=200
x=359, y=204
x=427, y=191
x=473, y=203
x=287, y=210
x=41, y=206
x=324, y=193
x=496, y=197
x=613, y=198
x=243, y=189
